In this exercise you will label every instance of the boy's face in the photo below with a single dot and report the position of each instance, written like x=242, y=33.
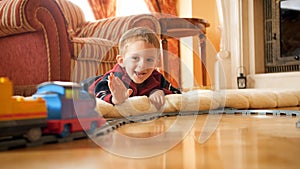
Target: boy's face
x=139, y=60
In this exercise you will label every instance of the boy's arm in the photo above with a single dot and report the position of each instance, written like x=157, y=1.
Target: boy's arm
x=118, y=90
x=102, y=90
x=157, y=95
x=168, y=88
x=112, y=90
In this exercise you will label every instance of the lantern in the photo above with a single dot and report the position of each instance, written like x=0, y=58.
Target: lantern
x=241, y=79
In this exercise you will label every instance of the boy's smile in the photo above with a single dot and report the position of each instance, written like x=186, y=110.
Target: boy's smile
x=140, y=74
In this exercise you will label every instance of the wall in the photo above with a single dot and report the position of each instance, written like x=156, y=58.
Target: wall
x=207, y=9
x=204, y=9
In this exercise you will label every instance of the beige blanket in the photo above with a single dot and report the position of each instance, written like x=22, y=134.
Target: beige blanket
x=204, y=100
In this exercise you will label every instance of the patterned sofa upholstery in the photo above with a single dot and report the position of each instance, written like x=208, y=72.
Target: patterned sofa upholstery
x=47, y=40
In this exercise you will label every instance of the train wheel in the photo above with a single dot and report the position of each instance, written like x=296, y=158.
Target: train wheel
x=66, y=130
x=34, y=134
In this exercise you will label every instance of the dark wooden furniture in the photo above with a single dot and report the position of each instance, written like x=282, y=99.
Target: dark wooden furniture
x=184, y=27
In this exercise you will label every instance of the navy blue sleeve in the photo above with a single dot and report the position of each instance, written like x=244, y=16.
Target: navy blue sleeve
x=102, y=90
x=168, y=88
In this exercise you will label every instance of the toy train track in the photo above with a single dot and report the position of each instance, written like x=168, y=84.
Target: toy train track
x=9, y=143
x=113, y=124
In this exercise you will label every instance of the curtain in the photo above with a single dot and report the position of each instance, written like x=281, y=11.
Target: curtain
x=168, y=7
x=103, y=8
x=162, y=6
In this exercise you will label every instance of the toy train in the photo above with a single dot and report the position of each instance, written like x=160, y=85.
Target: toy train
x=57, y=108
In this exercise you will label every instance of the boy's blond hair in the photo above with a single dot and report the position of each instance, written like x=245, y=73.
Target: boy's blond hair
x=136, y=34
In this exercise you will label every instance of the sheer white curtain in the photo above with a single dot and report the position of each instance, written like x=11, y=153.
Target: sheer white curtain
x=230, y=54
x=223, y=7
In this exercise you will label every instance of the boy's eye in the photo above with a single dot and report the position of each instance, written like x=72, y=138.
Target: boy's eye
x=150, y=60
x=134, y=57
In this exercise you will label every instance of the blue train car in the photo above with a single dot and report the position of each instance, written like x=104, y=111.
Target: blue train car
x=70, y=108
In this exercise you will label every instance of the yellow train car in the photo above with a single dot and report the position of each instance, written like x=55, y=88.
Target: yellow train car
x=20, y=116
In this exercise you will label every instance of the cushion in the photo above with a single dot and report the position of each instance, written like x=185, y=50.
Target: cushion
x=92, y=56
x=199, y=100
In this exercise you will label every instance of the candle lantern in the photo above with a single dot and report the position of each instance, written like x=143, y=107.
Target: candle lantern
x=241, y=79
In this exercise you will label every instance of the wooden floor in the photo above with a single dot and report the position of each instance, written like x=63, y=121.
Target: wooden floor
x=236, y=142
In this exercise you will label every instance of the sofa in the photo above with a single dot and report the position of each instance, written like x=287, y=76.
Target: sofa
x=50, y=40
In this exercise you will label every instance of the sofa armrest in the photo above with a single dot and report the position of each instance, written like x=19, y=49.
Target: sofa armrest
x=34, y=42
x=13, y=18
x=20, y=16
x=113, y=28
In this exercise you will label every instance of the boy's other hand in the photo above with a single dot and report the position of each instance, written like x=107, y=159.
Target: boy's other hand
x=118, y=90
x=157, y=98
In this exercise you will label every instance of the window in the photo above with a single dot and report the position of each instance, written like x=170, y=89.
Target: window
x=123, y=8
x=87, y=10
x=131, y=7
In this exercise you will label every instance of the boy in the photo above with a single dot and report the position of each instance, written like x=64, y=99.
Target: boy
x=135, y=74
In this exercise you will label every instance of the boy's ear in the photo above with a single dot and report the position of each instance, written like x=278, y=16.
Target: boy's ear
x=120, y=60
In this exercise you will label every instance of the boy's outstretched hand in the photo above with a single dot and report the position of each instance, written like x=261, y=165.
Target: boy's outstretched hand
x=118, y=90
x=157, y=98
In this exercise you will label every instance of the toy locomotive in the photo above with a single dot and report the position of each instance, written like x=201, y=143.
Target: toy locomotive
x=19, y=116
x=57, y=108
